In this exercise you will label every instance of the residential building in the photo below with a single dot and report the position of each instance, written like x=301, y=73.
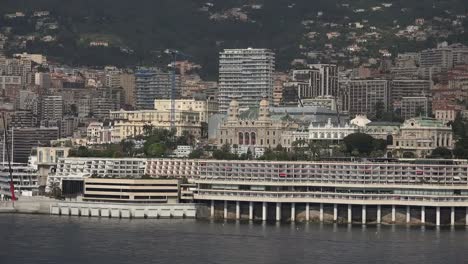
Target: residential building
x=363, y=96
x=25, y=138
x=414, y=107
x=127, y=82
x=52, y=108
x=409, y=88
x=446, y=113
x=205, y=108
x=42, y=79
x=99, y=133
x=151, y=84
x=245, y=75
x=441, y=58
x=190, y=115
x=322, y=80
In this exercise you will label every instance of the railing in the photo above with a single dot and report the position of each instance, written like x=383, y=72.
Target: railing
x=331, y=196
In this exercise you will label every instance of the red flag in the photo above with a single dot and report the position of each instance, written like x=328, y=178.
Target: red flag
x=12, y=190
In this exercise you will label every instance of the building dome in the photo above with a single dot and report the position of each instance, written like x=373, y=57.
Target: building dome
x=234, y=103
x=360, y=121
x=264, y=103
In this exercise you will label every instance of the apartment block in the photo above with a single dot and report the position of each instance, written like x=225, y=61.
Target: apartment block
x=362, y=96
x=245, y=75
x=151, y=84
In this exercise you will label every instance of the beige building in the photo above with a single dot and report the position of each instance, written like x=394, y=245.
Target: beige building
x=255, y=128
x=420, y=136
x=127, y=81
x=132, y=190
x=190, y=115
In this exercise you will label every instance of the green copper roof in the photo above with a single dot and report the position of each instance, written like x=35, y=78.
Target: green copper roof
x=427, y=122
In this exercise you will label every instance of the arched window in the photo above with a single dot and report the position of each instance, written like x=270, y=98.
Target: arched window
x=241, y=138
x=252, y=139
x=389, y=140
x=246, y=138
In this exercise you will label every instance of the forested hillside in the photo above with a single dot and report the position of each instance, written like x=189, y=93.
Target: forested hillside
x=139, y=30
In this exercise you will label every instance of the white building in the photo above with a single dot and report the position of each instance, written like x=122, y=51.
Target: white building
x=98, y=133
x=182, y=151
x=330, y=131
x=247, y=75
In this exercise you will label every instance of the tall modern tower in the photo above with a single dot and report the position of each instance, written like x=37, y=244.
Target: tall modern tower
x=321, y=80
x=153, y=84
x=245, y=75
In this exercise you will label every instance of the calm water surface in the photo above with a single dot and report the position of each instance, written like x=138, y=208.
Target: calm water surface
x=54, y=239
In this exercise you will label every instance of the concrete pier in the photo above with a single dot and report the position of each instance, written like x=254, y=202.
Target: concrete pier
x=335, y=213
x=423, y=215
x=466, y=216
x=308, y=212
x=437, y=216
x=107, y=210
x=293, y=212
x=321, y=212
x=225, y=214
x=278, y=211
x=408, y=214
x=350, y=214
x=452, y=216
x=251, y=211
x=364, y=215
x=379, y=214
x=237, y=210
x=212, y=209
x=393, y=214
x=264, y=211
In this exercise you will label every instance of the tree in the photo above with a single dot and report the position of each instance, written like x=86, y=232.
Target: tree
x=379, y=110
x=441, y=152
x=147, y=129
x=461, y=149
x=360, y=142
x=409, y=155
x=196, y=154
x=156, y=150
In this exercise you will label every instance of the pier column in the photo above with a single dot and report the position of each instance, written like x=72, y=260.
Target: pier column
x=321, y=212
x=264, y=211
x=237, y=210
x=350, y=212
x=278, y=211
x=250, y=210
x=308, y=212
x=452, y=216
x=423, y=215
x=393, y=214
x=466, y=216
x=363, y=214
x=408, y=214
x=212, y=209
x=293, y=212
x=379, y=214
x=225, y=209
x=335, y=212
x=437, y=216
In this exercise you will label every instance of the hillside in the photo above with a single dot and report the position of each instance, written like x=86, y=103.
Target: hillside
x=138, y=31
